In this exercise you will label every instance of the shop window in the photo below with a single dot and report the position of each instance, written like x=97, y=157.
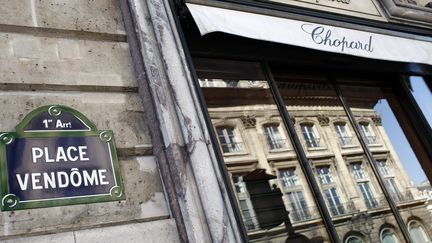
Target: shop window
x=417, y=232
x=274, y=138
x=310, y=135
x=228, y=140
x=344, y=136
x=388, y=236
x=300, y=99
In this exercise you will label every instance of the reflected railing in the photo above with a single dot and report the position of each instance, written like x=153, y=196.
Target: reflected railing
x=277, y=144
x=370, y=139
x=402, y=197
x=236, y=147
x=303, y=214
x=342, y=209
x=313, y=143
x=345, y=140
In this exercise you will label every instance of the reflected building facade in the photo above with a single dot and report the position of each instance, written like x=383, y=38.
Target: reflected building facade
x=252, y=135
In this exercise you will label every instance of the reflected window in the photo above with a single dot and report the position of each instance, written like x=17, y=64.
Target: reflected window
x=245, y=203
x=299, y=210
x=324, y=175
x=228, y=141
x=354, y=239
x=358, y=171
x=363, y=185
x=389, y=236
x=345, y=138
x=298, y=207
x=289, y=178
x=417, y=232
x=310, y=135
x=383, y=168
x=390, y=182
x=239, y=184
x=274, y=138
x=367, y=133
x=330, y=192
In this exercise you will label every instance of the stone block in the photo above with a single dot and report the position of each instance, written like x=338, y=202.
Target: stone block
x=120, y=112
x=157, y=231
x=82, y=15
x=68, y=49
x=67, y=62
x=67, y=237
x=27, y=48
x=144, y=201
x=15, y=12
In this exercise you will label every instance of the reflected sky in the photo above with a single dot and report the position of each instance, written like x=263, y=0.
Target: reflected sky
x=423, y=96
x=400, y=143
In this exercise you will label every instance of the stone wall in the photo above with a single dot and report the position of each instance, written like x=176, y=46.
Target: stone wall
x=75, y=53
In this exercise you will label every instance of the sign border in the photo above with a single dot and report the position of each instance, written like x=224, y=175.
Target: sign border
x=9, y=202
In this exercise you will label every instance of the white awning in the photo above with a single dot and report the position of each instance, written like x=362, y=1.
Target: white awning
x=311, y=35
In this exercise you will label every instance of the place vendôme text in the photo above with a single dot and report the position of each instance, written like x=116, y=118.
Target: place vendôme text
x=322, y=36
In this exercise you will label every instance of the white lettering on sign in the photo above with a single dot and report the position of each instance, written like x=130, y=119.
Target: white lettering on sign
x=62, y=179
x=58, y=123
x=61, y=154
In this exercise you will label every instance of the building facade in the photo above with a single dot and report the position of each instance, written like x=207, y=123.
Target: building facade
x=332, y=98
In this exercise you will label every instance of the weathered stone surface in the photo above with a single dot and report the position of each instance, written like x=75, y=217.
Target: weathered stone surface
x=120, y=112
x=144, y=201
x=52, y=238
x=26, y=59
x=158, y=231
x=81, y=15
x=16, y=12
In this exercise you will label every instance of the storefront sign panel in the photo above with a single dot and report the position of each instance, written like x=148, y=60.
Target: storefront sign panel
x=57, y=157
x=364, y=8
x=311, y=35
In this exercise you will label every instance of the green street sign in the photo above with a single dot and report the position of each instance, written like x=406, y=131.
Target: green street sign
x=57, y=157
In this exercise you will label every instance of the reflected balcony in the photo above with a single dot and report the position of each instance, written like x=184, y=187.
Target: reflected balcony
x=313, y=143
x=303, y=214
x=372, y=203
x=346, y=141
x=277, y=144
x=342, y=209
x=232, y=147
x=402, y=197
x=370, y=139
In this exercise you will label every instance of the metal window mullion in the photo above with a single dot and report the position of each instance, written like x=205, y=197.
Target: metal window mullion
x=304, y=164
x=371, y=160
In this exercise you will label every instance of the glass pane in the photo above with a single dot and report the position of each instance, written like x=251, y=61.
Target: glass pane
x=394, y=153
x=422, y=94
x=251, y=136
x=343, y=173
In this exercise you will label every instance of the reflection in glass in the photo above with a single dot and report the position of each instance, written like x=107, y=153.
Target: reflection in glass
x=379, y=115
x=417, y=232
x=228, y=141
x=348, y=185
x=389, y=236
x=251, y=136
x=422, y=94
